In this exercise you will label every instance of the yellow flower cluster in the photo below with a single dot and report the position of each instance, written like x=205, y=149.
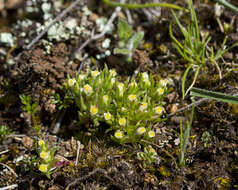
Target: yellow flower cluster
x=104, y=97
x=47, y=159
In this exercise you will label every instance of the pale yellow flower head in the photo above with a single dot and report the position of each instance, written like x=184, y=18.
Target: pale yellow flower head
x=163, y=82
x=122, y=121
x=71, y=82
x=159, y=109
x=41, y=142
x=147, y=82
x=145, y=76
x=93, y=110
x=141, y=130
x=151, y=134
x=113, y=80
x=105, y=99
x=107, y=116
x=95, y=73
x=44, y=155
x=87, y=89
x=112, y=72
x=118, y=134
x=43, y=168
x=143, y=106
x=160, y=91
x=133, y=84
x=120, y=86
x=132, y=97
x=81, y=76
x=146, y=79
x=123, y=109
x=99, y=81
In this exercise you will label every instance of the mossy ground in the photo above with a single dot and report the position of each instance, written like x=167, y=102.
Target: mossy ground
x=212, y=153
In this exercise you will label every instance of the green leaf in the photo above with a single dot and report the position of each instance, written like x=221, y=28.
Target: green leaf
x=124, y=30
x=228, y=5
x=34, y=107
x=214, y=95
x=221, y=52
x=194, y=21
x=184, y=79
x=123, y=51
x=183, y=30
x=136, y=39
x=82, y=104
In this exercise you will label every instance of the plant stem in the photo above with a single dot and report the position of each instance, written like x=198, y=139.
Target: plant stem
x=145, y=5
x=185, y=139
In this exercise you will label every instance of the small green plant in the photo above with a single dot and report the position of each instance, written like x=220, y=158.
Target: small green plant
x=4, y=130
x=194, y=49
x=47, y=158
x=31, y=110
x=56, y=99
x=130, y=108
x=148, y=156
x=128, y=40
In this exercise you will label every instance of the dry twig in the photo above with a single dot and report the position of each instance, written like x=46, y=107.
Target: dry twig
x=9, y=187
x=97, y=36
x=10, y=169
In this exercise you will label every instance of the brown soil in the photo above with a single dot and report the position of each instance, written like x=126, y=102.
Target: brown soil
x=212, y=153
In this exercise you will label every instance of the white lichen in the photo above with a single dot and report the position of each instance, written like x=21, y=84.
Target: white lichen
x=71, y=23
x=106, y=43
x=46, y=7
x=86, y=11
x=7, y=38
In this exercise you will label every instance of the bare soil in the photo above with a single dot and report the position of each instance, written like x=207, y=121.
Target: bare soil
x=212, y=153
